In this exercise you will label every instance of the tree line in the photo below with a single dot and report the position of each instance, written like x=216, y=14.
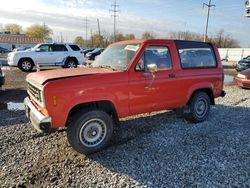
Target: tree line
x=220, y=38
x=35, y=30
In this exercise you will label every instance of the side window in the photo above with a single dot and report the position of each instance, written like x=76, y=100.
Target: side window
x=158, y=55
x=59, y=48
x=74, y=47
x=196, y=55
x=45, y=48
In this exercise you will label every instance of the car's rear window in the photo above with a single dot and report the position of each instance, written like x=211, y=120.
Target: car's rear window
x=196, y=54
x=74, y=47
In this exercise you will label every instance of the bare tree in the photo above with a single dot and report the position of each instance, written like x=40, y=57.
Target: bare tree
x=223, y=40
x=147, y=35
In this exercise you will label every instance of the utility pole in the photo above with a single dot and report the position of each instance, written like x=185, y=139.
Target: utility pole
x=91, y=38
x=114, y=12
x=61, y=38
x=208, y=14
x=99, y=32
x=86, y=27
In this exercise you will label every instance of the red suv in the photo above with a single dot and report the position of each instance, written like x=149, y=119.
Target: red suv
x=128, y=78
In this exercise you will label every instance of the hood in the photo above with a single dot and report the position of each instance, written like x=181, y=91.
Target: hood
x=43, y=76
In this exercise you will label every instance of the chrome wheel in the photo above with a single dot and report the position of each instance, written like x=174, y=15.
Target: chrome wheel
x=26, y=65
x=72, y=64
x=93, y=132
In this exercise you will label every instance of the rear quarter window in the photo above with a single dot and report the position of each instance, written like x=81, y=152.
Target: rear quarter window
x=74, y=47
x=196, y=55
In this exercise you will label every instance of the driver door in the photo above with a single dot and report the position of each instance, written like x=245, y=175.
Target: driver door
x=149, y=94
x=44, y=55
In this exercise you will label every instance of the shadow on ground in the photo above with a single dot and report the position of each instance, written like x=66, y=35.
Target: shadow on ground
x=165, y=150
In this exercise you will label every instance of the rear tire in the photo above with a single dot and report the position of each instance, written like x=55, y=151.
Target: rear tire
x=71, y=63
x=89, y=132
x=198, y=108
x=26, y=65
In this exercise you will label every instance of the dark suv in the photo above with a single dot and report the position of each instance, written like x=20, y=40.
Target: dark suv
x=243, y=64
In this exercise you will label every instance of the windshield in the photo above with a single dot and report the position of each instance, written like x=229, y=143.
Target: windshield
x=35, y=47
x=117, y=57
x=96, y=50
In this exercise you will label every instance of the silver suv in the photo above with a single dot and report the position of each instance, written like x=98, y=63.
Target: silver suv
x=56, y=54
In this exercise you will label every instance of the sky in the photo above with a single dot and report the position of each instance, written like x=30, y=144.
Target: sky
x=135, y=16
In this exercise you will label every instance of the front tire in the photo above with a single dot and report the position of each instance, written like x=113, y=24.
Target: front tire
x=89, y=132
x=26, y=65
x=198, y=108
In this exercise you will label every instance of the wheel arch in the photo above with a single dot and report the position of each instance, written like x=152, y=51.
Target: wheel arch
x=104, y=105
x=71, y=57
x=25, y=58
x=208, y=91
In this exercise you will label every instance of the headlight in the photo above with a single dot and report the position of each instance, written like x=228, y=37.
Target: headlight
x=241, y=76
x=11, y=54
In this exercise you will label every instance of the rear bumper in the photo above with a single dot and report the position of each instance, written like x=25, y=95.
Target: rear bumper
x=38, y=121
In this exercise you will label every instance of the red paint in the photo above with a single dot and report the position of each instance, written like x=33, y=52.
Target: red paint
x=243, y=82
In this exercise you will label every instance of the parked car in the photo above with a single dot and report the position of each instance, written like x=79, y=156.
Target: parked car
x=87, y=50
x=4, y=50
x=243, y=79
x=2, y=77
x=94, y=53
x=56, y=54
x=124, y=81
x=243, y=64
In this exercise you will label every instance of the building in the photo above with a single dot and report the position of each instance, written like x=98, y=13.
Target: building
x=10, y=42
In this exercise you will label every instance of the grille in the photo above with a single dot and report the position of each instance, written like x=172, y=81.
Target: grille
x=35, y=92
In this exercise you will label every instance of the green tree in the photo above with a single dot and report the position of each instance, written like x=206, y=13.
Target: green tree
x=39, y=31
x=79, y=40
x=14, y=29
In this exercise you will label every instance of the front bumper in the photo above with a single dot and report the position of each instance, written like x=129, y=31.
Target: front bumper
x=244, y=83
x=38, y=121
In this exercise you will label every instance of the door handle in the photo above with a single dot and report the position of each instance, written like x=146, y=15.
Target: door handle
x=172, y=75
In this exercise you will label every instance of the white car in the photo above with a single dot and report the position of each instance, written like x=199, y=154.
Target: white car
x=56, y=54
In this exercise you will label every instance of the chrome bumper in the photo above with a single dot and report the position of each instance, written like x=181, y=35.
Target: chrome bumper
x=38, y=121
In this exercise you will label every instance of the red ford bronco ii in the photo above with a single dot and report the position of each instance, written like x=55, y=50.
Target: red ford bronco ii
x=128, y=78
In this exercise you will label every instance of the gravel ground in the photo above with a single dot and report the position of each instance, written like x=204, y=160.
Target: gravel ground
x=150, y=150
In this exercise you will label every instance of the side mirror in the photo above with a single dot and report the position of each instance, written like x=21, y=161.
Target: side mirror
x=38, y=50
x=152, y=68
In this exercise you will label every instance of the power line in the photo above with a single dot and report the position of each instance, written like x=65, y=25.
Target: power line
x=208, y=14
x=114, y=14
